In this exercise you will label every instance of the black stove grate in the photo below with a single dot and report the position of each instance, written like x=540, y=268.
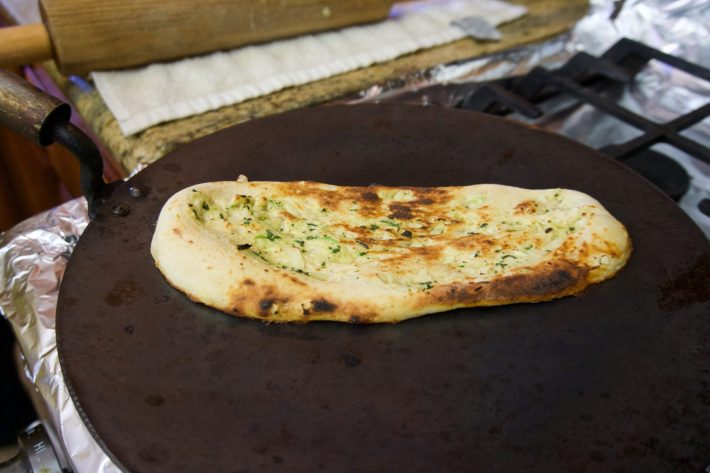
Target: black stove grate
x=598, y=82
x=583, y=77
x=587, y=78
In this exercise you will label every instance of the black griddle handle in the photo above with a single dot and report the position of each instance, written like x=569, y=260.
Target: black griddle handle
x=45, y=120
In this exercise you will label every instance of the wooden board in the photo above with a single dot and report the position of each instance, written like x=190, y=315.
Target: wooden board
x=545, y=19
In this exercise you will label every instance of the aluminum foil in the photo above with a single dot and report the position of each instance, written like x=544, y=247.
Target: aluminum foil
x=33, y=255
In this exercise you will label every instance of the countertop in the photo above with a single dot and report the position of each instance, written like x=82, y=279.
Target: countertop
x=545, y=18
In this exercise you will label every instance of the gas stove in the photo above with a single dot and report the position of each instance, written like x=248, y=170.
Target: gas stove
x=36, y=453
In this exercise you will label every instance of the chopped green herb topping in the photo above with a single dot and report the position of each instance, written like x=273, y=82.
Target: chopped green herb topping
x=407, y=234
x=258, y=255
x=205, y=206
x=427, y=285
x=390, y=223
x=374, y=227
x=483, y=225
x=300, y=242
x=270, y=236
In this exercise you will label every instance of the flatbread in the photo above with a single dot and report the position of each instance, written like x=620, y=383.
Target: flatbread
x=305, y=251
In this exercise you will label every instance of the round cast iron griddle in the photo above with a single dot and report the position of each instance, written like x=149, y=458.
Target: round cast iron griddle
x=617, y=379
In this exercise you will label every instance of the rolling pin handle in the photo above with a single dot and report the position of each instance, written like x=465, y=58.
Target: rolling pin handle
x=24, y=44
x=45, y=119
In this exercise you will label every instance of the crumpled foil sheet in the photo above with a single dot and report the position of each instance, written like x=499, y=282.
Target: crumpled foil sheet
x=34, y=254
x=659, y=92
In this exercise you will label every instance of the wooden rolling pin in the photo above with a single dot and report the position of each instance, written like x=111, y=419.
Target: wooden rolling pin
x=89, y=35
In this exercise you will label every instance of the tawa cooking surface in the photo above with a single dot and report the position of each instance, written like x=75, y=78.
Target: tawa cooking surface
x=615, y=378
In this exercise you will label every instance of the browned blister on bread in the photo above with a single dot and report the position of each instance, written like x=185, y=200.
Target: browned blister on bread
x=305, y=251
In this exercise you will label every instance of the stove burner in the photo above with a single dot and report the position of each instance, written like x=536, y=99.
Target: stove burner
x=664, y=172
x=704, y=207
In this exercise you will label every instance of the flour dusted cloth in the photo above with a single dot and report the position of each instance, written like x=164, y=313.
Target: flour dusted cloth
x=140, y=98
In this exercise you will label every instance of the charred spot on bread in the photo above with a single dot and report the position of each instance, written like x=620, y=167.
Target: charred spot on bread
x=400, y=211
x=265, y=306
x=322, y=305
x=370, y=196
x=526, y=207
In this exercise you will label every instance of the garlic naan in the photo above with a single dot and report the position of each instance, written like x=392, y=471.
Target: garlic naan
x=304, y=251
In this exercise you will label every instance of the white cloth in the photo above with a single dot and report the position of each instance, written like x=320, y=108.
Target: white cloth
x=140, y=98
